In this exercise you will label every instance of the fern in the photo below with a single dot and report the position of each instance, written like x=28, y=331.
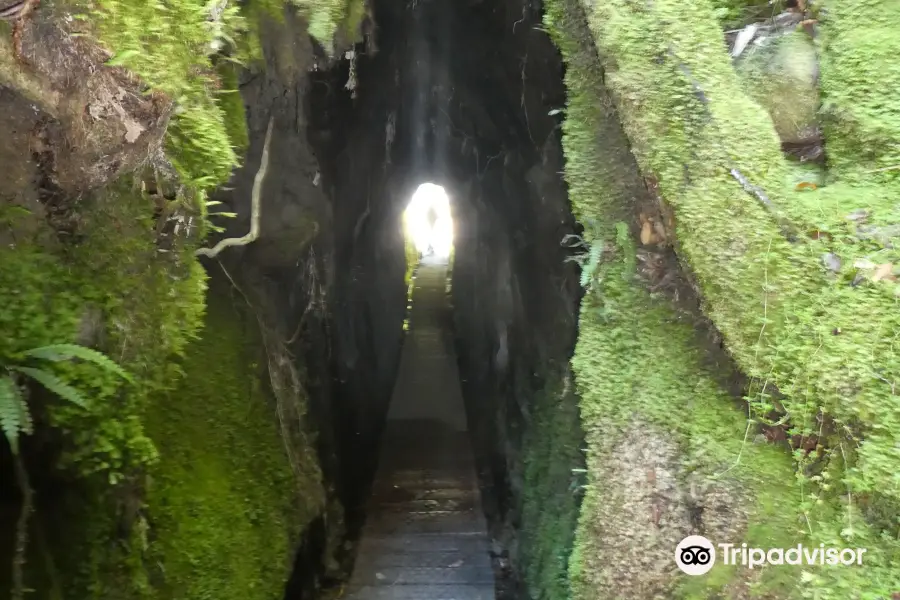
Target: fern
x=15, y=418
x=54, y=384
x=592, y=260
x=11, y=411
x=58, y=352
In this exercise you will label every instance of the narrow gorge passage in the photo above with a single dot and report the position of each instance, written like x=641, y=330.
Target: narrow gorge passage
x=671, y=329
x=425, y=536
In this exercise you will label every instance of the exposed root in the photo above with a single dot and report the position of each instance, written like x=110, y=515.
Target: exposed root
x=254, y=204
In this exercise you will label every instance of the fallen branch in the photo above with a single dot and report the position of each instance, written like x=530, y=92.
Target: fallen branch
x=254, y=205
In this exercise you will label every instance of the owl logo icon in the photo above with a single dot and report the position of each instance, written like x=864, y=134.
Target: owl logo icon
x=695, y=555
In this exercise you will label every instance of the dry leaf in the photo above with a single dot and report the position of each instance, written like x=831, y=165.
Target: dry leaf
x=646, y=233
x=884, y=271
x=660, y=231
x=806, y=185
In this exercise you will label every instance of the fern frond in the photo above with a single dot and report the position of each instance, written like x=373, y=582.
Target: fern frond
x=589, y=266
x=26, y=425
x=58, y=352
x=54, y=384
x=12, y=406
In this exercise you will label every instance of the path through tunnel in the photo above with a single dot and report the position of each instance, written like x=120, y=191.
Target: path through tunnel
x=466, y=96
x=277, y=387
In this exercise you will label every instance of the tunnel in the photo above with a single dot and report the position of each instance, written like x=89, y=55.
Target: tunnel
x=449, y=299
x=334, y=317
x=461, y=96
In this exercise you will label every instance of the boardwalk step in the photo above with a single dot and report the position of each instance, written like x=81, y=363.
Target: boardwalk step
x=464, y=503
x=475, y=556
x=466, y=544
x=412, y=573
x=447, y=524
x=421, y=592
x=425, y=536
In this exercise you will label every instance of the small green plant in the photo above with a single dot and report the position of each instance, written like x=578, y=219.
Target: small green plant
x=15, y=418
x=591, y=246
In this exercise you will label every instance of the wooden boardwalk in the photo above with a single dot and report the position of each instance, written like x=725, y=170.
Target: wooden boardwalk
x=425, y=536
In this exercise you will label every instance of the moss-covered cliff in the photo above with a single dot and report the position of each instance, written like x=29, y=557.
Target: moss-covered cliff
x=817, y=346
x=224, y=479
x=199, y=475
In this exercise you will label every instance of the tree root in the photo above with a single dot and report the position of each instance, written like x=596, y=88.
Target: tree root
x=254, y=205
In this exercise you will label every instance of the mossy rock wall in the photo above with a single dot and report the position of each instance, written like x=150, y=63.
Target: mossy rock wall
x=515, y=310
x=179, y=486
x=712, y=155
x=781, y=75
x=551, y=491
x=224, y=507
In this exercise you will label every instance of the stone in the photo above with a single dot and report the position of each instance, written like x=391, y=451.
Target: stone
x=781, y=73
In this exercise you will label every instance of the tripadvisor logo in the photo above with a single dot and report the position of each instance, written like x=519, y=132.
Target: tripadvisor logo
x=696, y=555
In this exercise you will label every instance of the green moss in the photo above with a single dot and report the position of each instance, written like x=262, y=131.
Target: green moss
x=637, y=360
x=551, y=488
x=224, y=506
x=169, y=50
x=327, y=20
x=689, y=125
x=692, y=128
x=38, y=308
x=333, y=16
x=146, y=305
x=105, y=283
x=217, y=516
x=859, y=70
x=733, y=14
x=232, y=106
x=110, y=288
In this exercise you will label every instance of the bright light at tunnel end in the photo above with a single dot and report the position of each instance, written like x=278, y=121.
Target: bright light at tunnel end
x=429, y=222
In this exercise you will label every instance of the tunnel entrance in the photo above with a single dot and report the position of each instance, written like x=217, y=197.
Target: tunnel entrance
x=428, y=222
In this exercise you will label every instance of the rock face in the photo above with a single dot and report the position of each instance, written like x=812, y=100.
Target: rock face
x=83, y=123
x=243, y=430
x=781, y=69
x=719, y=169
